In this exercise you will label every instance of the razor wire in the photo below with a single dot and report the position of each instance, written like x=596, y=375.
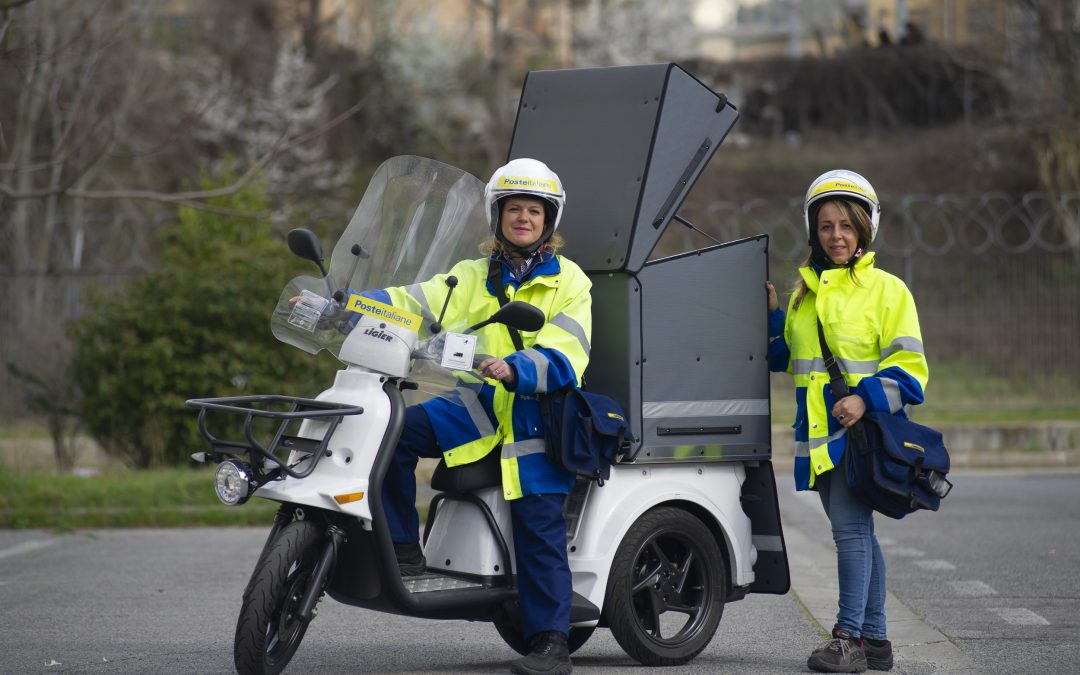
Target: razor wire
x=997, y=276
x=917, y=224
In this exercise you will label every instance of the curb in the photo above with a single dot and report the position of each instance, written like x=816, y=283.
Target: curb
x=1037, y=445
x=917, y=646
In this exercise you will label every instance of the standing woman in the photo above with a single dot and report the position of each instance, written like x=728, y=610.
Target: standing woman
x=870, y=324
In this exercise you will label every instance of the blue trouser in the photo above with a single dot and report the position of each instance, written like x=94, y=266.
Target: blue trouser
x=859, y=563
x=545, y=587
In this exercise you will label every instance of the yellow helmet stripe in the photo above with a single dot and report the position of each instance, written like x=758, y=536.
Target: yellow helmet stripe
x=841, y=186
x=526, y=183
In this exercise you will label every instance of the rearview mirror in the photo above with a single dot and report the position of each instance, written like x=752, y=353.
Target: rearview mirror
x=519, y=315
x=305, y=244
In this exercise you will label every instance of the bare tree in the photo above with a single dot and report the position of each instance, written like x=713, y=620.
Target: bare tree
x=1050, y=31
x=111, y=103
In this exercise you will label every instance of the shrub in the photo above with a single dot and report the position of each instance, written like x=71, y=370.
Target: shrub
x=197, y=326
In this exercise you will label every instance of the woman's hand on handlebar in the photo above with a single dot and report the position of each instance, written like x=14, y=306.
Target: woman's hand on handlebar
x=498, y=369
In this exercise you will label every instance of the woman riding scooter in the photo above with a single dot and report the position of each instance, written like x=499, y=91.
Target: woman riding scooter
x=524, y=205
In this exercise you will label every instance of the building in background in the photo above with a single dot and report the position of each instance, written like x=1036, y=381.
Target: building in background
x=982, y=25
x=742, y=30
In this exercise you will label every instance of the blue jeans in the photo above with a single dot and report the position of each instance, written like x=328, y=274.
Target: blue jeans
x=860, y=566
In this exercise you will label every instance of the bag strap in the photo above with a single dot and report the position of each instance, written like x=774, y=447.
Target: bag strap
x=839, y=386
x=495, y=277
x=836, y=381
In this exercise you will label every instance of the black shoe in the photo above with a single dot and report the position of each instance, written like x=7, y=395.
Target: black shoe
x=841, y=654
x=410, y=559
x=878, y=654
x=549, y=656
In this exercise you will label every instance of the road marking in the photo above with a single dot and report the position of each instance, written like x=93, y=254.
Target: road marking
x=971, y=588
x=26, y=547
x=935, y=564
x=1019, y=616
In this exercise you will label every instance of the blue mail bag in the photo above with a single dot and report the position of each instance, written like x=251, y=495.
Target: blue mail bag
x=897, y=466
x=584, y=432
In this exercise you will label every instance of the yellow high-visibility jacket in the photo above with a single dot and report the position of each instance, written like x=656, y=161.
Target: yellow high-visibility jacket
x=472, y=420
x=872, y=328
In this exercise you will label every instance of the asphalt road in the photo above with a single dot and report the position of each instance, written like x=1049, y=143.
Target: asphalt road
x=991, y=584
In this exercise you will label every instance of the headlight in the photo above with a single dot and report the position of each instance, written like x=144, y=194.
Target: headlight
x=232, y=482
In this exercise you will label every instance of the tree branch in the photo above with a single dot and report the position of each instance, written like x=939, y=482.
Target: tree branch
x=5, y=5
x=194, y=198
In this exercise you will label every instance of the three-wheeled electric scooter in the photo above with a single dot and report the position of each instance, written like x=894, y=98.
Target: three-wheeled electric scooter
x=688, y=519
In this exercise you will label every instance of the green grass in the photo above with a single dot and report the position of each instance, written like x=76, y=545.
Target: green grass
x=965, y=394
x=156, y=498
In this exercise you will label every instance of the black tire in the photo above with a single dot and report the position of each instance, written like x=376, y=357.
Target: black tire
x=510, y=632
x=267, y=632
x=665, y=596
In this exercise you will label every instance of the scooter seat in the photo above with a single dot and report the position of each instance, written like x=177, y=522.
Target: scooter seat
x=486, y=472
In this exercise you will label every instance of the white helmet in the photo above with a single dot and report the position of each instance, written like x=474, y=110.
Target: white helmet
x=531, y=178
x=843, y=184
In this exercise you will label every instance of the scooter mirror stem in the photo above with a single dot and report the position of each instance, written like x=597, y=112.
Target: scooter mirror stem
x=358, y=253
x=451, y=283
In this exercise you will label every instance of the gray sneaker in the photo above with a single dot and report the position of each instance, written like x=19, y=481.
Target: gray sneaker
x=549, y=656
x=878, y=654
x=841, y=654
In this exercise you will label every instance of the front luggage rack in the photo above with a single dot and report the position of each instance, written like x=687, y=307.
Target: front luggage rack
x=299, y=409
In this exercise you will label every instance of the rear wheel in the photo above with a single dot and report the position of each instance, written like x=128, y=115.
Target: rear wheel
x=268, y=631
x=666, y=592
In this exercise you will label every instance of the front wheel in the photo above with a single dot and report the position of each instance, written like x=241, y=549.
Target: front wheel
x=665, y=596
x=268, y=630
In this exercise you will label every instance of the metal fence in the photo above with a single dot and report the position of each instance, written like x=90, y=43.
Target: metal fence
x=996, y=279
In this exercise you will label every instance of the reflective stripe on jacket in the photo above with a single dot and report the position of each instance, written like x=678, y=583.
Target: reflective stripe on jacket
x=872, y=329
x=553, y=357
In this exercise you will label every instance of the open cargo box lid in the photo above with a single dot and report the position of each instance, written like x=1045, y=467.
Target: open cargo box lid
x=680, y=342
x=628, y=143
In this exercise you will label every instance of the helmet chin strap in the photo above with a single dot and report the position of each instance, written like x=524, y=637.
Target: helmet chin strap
x=525, y=251
x=822, y=259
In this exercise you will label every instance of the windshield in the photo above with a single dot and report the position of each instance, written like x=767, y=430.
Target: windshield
x=417, y=218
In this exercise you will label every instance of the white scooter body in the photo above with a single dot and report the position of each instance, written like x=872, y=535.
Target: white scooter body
x=460, y=541
x=340, y=445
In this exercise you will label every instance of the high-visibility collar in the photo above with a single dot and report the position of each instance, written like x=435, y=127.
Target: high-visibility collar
x=545, y=271
x=812, y=276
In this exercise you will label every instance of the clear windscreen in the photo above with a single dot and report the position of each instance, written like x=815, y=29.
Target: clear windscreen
x=417, y=218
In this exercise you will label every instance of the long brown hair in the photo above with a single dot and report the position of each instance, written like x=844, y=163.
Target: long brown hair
x=859, y=219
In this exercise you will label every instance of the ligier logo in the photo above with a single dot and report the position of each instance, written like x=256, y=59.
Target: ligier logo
x=527, y=183
x=376, y=333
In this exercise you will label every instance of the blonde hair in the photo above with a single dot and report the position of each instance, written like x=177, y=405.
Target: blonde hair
x=859, y=219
